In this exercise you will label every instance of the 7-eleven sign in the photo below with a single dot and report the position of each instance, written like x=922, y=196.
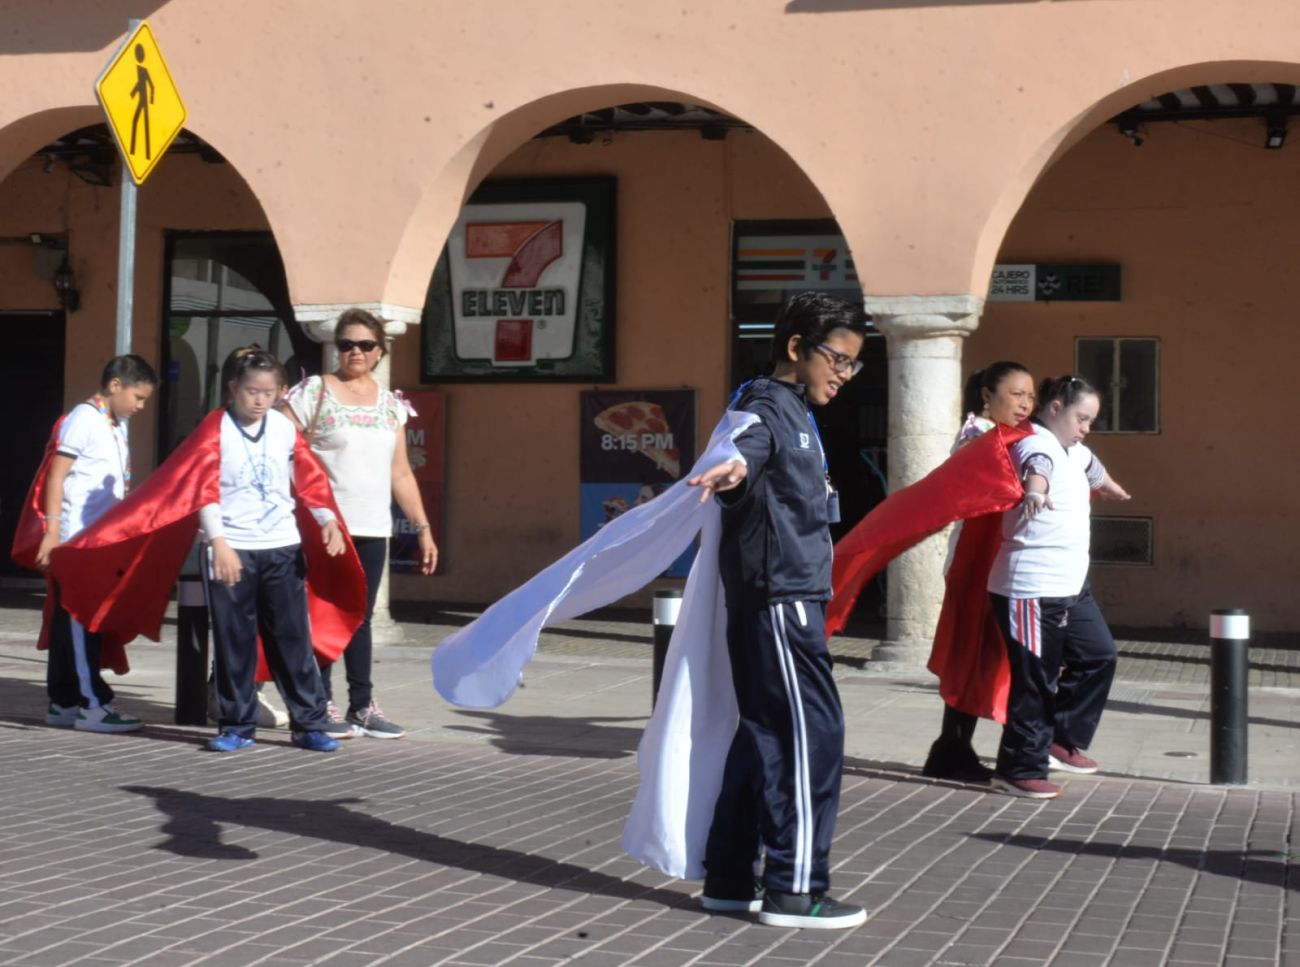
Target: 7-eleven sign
x=515, y=271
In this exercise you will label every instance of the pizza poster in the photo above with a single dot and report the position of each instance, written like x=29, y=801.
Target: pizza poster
x=425, y=449
x=634, y=445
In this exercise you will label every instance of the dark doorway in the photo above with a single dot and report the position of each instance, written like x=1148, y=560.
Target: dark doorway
x=32, y=368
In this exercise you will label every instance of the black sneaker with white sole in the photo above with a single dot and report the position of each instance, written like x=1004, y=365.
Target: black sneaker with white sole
x=729, y=895
x=370, y=721
x=813, y=910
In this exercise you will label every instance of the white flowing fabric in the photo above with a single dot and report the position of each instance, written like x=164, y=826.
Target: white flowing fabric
x=682, y=752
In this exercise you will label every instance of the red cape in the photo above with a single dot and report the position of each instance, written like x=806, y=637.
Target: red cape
x=116, y=576
x=976, y=484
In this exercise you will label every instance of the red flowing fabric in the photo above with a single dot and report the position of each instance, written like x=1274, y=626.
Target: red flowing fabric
x=976, y=484
x=116, y=576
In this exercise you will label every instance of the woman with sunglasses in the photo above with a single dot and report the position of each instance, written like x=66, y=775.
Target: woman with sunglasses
x=357, y=429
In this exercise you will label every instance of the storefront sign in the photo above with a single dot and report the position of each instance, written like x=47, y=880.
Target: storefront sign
x=425, y=436
x=1054, y=283
x=633, y=446
x=773, y=259
x=524, y=289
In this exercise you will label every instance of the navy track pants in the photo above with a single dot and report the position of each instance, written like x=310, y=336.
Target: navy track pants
x=781, y=784
x=1047, y=638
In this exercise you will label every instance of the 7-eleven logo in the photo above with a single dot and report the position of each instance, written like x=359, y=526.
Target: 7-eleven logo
x=515, y=281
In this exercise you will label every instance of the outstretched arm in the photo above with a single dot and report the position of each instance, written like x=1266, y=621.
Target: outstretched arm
x=723, y=477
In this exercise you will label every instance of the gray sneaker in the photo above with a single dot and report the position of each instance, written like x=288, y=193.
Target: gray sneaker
x=809, y=910
x=336, y=726
x=370, y=721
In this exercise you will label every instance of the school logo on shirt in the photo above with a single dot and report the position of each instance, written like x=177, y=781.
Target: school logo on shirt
x=805, y=441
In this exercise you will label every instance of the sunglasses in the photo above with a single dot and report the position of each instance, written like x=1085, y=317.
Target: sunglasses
x=841, y=363
x=365, y=345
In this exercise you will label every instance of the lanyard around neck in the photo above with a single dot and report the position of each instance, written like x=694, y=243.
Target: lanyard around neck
x=119, y=438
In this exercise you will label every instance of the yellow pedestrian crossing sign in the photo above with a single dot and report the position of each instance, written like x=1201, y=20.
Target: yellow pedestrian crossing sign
x=140, y=99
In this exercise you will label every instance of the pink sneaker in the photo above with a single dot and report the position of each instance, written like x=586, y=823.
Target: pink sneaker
x=1026, y=788
x=1067, y=759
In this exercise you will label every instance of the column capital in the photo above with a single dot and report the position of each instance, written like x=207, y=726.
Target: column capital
x=924, y=316
x=319, y=318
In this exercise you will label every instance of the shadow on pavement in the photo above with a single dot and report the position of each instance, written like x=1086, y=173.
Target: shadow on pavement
x=594, y=738
x=193, y=830
x=1252, y=865
x=24, y=701
x=1146, y=708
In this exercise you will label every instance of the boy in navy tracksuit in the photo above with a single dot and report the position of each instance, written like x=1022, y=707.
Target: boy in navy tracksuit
x=781, y=786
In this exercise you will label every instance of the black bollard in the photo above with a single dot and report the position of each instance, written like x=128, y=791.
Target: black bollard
x=191, y=651
x=667, y=605
x=1229, y=679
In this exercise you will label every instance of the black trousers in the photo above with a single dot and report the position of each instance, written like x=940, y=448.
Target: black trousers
x=270, y=594
x=72, y=675
x=1049, y=639
x=357, y=659
x=781, y=784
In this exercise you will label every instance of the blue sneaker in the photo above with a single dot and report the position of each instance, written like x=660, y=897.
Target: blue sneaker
x=229, y=742
x=314, y=741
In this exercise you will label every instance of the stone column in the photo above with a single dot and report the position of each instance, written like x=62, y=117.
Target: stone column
x=924, y=337
x=319, y=321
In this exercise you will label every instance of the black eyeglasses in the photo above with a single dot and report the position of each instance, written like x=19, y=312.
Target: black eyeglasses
x=841, y=363
x=365, y=345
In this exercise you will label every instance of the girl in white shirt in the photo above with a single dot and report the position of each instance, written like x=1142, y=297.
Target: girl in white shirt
x=1043, y=603
x=257, y=575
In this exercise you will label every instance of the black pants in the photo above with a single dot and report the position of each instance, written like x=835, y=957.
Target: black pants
x=357, y=659
x=781, y=784
x=72, y=675
x=271, y=594
x=1047, y=638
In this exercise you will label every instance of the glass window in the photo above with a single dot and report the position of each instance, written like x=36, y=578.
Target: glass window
x=224, y=291
x=1126, y=372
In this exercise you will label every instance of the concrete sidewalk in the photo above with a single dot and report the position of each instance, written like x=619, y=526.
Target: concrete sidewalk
x=492, y=836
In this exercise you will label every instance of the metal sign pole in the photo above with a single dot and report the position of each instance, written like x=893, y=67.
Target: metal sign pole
x=126, y=245
x=126, y=264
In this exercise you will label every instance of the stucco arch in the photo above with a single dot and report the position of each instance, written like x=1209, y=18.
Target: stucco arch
x=1088, y=119
x=425, y=231
x=25, y=135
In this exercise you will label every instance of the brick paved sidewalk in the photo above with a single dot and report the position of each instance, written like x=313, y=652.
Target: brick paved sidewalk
x=492, y=836
x=143, y=849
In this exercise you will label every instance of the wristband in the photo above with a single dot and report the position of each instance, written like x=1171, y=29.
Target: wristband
x=416, y=528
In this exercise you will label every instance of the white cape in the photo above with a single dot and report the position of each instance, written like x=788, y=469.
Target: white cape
x=685, y=744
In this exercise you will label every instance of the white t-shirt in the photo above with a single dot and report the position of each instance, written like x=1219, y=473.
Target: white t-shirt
x=1047, y=557
x=256, y=509
x=97, y=480
x=356, y=444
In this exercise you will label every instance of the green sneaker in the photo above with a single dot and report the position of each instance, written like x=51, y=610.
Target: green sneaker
x=106, y=719
x=60, y=717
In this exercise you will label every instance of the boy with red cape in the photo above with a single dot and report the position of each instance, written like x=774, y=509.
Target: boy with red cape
x=976, y=484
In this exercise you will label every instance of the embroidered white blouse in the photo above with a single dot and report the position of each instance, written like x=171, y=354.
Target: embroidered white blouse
x=356, y=444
